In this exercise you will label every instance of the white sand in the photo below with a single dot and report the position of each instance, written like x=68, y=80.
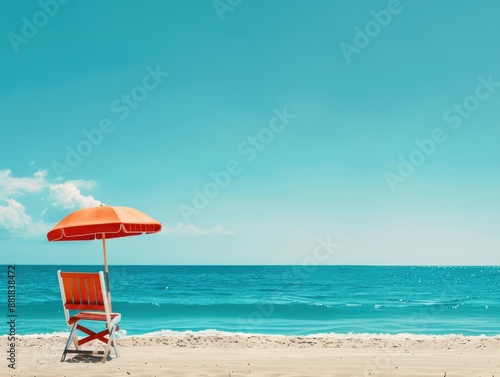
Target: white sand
x=236, y=355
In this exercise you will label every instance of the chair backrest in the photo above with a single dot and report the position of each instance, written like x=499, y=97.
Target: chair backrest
x=83, y=291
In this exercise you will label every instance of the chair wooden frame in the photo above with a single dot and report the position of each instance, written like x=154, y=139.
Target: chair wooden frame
x=85, y=293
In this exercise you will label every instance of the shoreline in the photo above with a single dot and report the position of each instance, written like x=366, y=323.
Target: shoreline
x=275, y=355
x=220, y=333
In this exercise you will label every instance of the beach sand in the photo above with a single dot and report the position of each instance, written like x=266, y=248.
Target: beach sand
x=256, y=355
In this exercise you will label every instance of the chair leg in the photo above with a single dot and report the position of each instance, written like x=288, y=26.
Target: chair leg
x=115, y=345
x=75, y=340
x=71, y=337
x=111, y=343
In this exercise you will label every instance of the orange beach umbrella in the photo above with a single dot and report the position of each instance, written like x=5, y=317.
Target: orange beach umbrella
x=101, y=223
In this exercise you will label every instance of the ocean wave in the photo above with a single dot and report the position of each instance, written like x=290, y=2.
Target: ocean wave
x=220, y=333
x=306, y=310
x=62, y=334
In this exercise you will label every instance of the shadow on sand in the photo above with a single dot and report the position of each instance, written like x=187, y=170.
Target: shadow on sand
x=87, y=359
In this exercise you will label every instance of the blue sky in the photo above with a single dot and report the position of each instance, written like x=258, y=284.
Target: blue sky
x=370, y=125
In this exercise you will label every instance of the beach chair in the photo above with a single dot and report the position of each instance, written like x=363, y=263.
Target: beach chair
x=84, y=294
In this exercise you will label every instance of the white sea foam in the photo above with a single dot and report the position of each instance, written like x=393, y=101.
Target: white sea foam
x=213, y=332
x=41, y=335
x=207, y=332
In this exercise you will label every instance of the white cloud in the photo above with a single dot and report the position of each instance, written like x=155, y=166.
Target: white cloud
x=68, y=195
x=13, y=216
x=191, y=230
x=10, y=185
x=14, y=220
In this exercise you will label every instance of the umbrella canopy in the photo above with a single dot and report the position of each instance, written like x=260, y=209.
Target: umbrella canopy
x=100, y=223
x=103, y=222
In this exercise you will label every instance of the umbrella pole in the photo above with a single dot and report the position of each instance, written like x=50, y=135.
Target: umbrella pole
x=106, y=269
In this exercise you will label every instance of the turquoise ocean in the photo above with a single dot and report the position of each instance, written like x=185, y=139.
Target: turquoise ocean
x=287, y=300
